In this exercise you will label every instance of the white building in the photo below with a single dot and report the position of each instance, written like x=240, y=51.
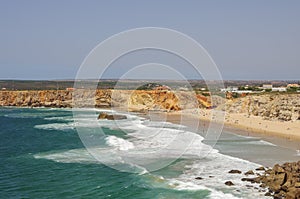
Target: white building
x=279, y=89
x=267, y=86
x=243, y=91
x=229, y=89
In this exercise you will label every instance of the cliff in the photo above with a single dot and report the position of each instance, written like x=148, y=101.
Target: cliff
x=138, y=100
x=284, y=107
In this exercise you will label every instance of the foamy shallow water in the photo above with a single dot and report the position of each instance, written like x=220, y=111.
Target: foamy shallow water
x=147, y=136
x=43, y=156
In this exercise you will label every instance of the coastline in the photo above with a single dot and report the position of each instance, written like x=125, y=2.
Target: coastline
x=283, y=150
x=285, y=134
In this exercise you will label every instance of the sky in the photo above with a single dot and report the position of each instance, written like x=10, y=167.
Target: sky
x=248, y=40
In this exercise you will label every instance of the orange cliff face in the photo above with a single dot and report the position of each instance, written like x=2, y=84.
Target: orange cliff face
x=46, y=98
x=137, y=100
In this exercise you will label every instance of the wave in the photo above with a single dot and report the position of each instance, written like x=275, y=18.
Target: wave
x=150, y=143
x=59, y=118
x=69, y=156
x=262, y=142
x=214, y=173
x=56, y=126
x=190, y=186
x=119, y=143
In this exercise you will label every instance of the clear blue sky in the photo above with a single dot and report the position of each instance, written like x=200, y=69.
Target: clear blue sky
x=251, y=39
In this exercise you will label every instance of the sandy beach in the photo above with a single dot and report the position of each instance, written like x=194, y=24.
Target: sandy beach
x=285, y=134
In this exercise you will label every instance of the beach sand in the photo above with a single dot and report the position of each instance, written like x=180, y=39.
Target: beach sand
x=285, y=145
x=282, y=133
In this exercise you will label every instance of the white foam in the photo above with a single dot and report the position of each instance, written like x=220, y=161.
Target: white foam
x=62, y=118
x=261, y=142
x=119, y=143
x=214, y=170
x=180, y=185
x=69, y=156
x=163, y=125
x=148, y=141
x=56, y=126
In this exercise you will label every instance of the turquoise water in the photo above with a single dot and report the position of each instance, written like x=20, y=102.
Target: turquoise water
x=42, y=156
x=24, y=176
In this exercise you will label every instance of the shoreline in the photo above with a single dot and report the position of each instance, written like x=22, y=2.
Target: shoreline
x=284, y=134
x=246, y=125
x=288, y=147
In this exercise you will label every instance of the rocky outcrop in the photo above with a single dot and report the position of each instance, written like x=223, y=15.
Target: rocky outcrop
x=36, y=98
x=229, y=183
x=107, y=116
x=132, y=100
x=282, y=181
x=234, y=171
x=284, y=107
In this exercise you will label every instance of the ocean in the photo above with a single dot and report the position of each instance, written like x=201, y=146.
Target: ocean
x=42, y=156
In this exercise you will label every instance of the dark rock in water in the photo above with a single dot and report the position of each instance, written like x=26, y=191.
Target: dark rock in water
x=235, y=171
x=104, y=115
x=252, y=180
x=249, y=173
x=262, y=186
x=199, y=178
x=260, y=169
x=119, y=117
x=268, y=194
x=229, y=183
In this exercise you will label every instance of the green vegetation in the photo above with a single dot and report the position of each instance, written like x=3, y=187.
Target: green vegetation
x=250, y=88
x=293, y=89
x=148, y=86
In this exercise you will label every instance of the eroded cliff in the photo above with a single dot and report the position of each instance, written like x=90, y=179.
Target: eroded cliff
x=284, y=107
x=137, y=100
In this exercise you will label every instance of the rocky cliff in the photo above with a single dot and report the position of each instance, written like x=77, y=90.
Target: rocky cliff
x=47, y=98
x=132, y=100
x=284, y=107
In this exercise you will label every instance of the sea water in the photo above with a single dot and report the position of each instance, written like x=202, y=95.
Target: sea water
x=42, y=156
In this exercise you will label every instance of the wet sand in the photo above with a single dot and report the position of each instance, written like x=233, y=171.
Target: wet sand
x=284, y=149
x=285, y=134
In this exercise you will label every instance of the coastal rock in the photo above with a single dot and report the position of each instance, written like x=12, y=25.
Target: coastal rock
x=252, y=180
x=229, y=183
x=104, y=115
x=250, y=172
x=234, y=171
x=260, y=169
x=278, y=169
x=283, y=181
